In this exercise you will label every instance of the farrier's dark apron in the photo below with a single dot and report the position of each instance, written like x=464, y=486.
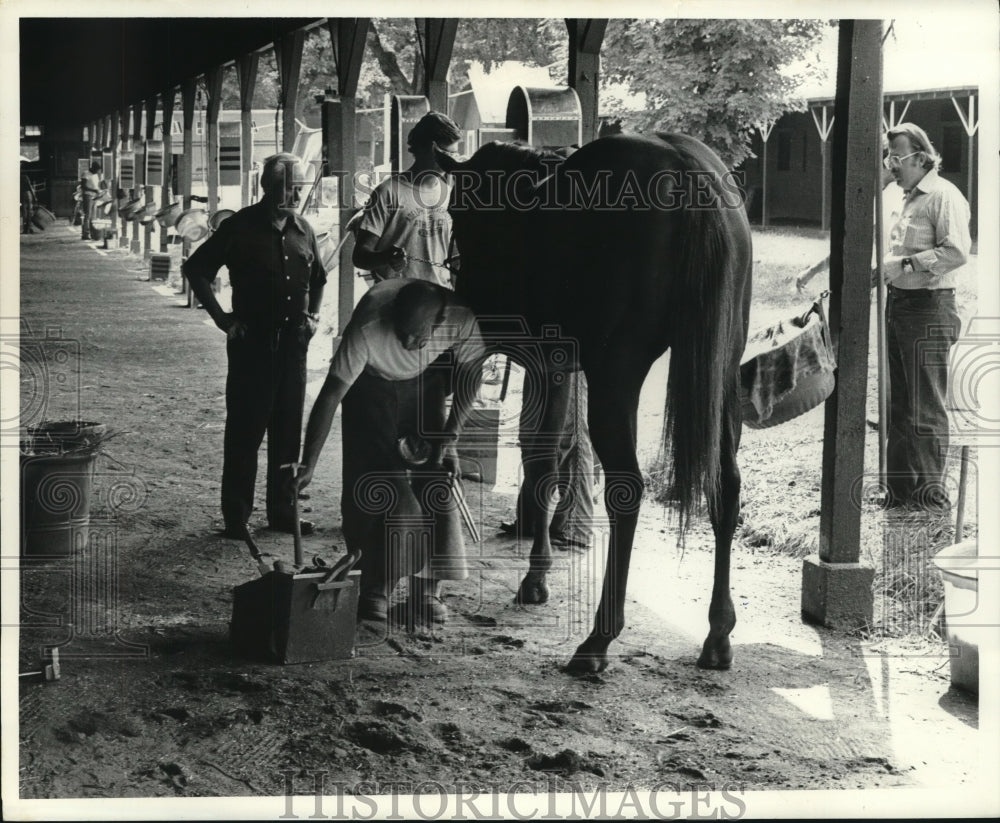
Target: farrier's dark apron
x=404, y=522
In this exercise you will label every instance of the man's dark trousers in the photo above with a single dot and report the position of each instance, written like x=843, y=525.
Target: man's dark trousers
x=265, y=393
x=921, y=328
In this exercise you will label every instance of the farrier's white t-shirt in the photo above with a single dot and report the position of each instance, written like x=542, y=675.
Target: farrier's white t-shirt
x=370, y=343
x=414, y=218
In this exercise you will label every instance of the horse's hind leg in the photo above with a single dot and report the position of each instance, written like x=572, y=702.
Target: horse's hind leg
x=717, y=652
x=539, y=445
x=615, y=400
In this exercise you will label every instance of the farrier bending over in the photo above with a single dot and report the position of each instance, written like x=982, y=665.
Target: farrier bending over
x=408, y=345
x=277, y=277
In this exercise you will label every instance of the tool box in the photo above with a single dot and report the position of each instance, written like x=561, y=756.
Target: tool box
x=296, y=618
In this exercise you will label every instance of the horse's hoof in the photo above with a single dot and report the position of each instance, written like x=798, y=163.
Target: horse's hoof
x=532, y=592
x=716, y=654
x=585, y=661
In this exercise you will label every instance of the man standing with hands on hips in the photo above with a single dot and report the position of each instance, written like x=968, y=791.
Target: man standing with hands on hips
x=277, y=278
x=928, y=243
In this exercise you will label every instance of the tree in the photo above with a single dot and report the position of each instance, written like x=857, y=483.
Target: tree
x=712, y=79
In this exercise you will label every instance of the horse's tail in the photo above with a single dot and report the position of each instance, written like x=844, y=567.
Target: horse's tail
x=704, y=322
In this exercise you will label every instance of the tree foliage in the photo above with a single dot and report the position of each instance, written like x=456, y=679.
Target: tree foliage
x=713, y=79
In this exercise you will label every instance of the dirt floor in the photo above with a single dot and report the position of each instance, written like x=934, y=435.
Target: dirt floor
x=154, y=702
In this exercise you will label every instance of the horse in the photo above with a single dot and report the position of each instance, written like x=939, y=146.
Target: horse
x=630, y=246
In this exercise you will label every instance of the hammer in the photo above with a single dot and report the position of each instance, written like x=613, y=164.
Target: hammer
x=297, y=534
x=49, y=668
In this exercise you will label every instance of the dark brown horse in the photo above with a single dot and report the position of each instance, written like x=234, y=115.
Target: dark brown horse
x=631, y=246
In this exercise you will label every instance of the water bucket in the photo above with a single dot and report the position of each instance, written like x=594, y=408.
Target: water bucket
x=192, y=225
x=147, y=214
x=959, y=567
x=129, y=208
x=168, y=216
x=43, y=218
x=219, y=217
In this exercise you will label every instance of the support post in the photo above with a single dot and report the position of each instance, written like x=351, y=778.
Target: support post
x=113, y=183
x=189, y=89
x=213, y=91
x=288, y=51
x=138, y=111
x=150, y=197
x=247, y=67
x=836, y=588
x=167, y=197
x=121, y=222
x=765, y=130
x=585, y=39
x=439, y=42
x=347, y=37
x=824, y=128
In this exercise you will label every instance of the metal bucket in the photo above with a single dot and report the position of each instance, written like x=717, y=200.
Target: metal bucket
x=959, y=567
x=219, y=217
x=192, y=225
x=129, y=208
x=168, y=216
x=55, y=503
x=147, y=214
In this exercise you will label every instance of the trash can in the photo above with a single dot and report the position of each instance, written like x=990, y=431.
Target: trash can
x=57, y=472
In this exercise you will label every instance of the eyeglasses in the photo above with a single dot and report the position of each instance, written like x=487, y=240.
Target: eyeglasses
x=452, y=152
x=891, y=161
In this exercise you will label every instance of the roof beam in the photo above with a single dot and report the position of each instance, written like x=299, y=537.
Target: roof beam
x=347, y=37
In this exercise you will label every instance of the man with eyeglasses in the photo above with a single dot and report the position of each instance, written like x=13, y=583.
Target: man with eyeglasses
x=277, y=277
x=928, y=243
x=405, y=230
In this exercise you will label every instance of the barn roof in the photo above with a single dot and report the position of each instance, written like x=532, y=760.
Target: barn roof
x=77, y=70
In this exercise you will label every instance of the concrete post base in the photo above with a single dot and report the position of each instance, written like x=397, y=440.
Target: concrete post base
x=837, y=595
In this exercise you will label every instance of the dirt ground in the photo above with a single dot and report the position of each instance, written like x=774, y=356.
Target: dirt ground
x=154, y=702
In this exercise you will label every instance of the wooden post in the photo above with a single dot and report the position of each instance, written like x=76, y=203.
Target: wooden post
x=213, y=90
x=138, y=111
x=288, y=54
x=247, y=68
x=150, y=197
x=585, y=39
x=824, y=134
x=189, y=89
x=347, y=36
x=126, y=139
x=439, y=42
x=971, y=125
x=113, y=183
x=167, y=97
x=836, y=588
x=765, y=135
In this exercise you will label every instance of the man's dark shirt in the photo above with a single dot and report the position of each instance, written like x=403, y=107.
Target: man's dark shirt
x=271, y=270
